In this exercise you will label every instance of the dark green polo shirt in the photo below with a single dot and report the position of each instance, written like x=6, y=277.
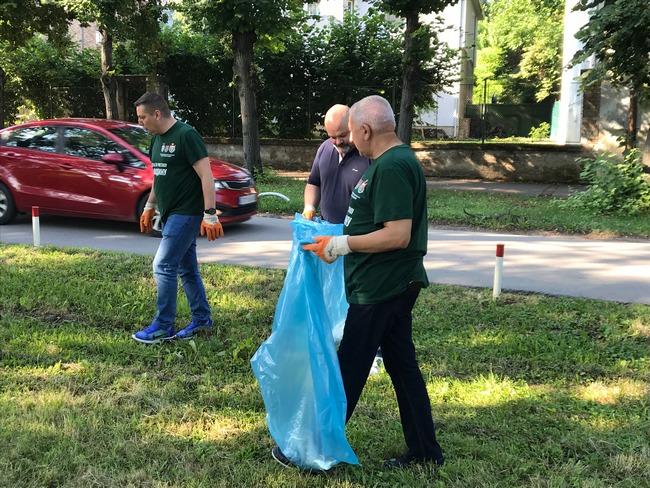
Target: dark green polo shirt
x=392, y=188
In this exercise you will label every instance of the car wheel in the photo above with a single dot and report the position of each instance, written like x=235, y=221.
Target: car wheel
x=7, y=205
x=157, y=223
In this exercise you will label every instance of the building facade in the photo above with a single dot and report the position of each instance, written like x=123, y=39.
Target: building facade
x=596, y=117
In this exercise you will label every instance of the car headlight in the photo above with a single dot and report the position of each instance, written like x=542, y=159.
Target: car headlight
x=218, y=185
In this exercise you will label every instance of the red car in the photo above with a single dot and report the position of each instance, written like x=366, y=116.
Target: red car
x=97, y=168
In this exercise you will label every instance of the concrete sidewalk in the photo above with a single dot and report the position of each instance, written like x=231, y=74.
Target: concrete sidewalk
x=608, y=269
x=516, y=188
x=558, y=190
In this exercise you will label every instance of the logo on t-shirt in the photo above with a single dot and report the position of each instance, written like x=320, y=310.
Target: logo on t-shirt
x=361, y=185
x=168, y=148
x=159, y=169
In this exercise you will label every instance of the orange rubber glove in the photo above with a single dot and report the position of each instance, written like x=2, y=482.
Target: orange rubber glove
x=146, y=219
x=309, y=212
x=211, y=227
x=329, y=248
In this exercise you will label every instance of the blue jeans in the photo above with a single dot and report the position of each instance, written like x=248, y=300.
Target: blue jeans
x=176, y=256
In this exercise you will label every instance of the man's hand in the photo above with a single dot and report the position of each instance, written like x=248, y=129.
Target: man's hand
x=309, y=212
x=211, y=227
x=329, y=248
x=146, y=219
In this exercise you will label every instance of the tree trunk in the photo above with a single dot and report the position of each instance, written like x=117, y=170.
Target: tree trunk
x=630, y=139
x=109, y=85
x=2, y=98
x=410, y=69
x=246, y=84
x=645, y=155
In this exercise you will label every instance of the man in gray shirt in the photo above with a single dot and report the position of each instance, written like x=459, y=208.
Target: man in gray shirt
x=336, y=170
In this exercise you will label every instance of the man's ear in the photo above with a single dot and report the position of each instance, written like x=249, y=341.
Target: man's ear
x=367, y=132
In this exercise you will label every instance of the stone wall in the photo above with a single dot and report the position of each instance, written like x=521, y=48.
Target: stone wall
x=281, y=154
x=502, y=162
x=543, y=163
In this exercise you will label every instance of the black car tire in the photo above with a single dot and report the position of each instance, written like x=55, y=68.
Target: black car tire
x=157, y=223
x=7, y=205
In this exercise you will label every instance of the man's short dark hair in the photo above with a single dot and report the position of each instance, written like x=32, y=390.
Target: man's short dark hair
x=153, y=101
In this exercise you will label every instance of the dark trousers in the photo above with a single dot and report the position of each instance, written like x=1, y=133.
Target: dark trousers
x=389, y=325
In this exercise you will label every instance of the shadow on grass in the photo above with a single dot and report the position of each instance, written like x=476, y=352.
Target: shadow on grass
x=533, y=391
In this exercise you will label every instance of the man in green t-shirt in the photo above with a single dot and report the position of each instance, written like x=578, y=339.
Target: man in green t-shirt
x=384, y=243
x=183, y=192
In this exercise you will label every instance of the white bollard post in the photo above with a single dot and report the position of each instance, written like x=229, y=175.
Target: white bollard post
x=498, y=270
x=36, y=227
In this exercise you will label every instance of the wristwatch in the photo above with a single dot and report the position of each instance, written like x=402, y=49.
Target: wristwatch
x=211, y=211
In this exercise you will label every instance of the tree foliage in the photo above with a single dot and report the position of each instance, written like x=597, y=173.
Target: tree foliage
x=20, y=20
x=618, y=35
x=520, y=44
x=286, y=94
x=425, y=60
x=51, y=82
x=246, y=23
x=339, y=62
x=118, y=20
x=198, y=68
x=297, y=73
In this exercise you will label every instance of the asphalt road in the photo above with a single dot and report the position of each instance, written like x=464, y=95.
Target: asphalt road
x=611, y=269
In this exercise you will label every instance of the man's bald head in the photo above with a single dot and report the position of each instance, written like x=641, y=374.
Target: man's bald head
x=336, y=126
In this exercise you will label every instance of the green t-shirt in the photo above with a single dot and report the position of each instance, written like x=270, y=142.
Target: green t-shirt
x=392, y=188
x=176, y=185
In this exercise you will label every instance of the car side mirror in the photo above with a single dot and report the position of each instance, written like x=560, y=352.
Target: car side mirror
x=116, y=159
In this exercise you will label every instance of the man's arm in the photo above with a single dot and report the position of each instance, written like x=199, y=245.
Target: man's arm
x=210, y=225
x=202, y=168
x=393, y=235
x=151, y=199
x=148, y=213
x=311, y=198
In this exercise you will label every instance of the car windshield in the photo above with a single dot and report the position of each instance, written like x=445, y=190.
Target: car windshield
x=136, y=136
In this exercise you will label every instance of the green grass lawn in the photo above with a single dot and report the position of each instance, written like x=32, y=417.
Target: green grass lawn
x=530, y=391
x=483, y=210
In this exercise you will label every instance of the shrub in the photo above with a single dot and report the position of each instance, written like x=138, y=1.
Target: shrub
x=615, y=184
x=542, y=131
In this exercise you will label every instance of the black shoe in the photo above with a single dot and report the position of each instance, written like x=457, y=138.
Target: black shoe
x=409, y=459
x=280, y=457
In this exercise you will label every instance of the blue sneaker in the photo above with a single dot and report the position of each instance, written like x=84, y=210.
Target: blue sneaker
x=154, y=334
x=189, y=331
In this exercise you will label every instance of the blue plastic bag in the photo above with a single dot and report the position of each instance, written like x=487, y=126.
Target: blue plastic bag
x=297, y=367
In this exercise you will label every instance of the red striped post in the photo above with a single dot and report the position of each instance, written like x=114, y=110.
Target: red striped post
x=498, y=271
x=36, y=226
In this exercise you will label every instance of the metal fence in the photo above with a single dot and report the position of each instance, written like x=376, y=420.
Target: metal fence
x=494, y=109
x=472, y=111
